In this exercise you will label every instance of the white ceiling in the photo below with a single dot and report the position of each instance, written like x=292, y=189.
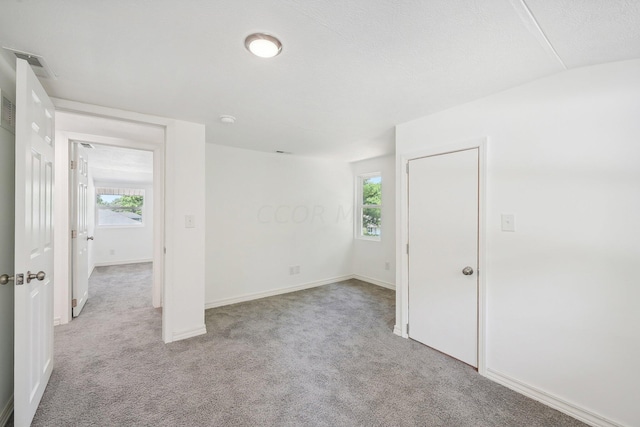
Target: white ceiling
x=109, y=162
x=349, y=70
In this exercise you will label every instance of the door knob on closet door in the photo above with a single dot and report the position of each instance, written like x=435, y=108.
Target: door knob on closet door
x=90, y=238
x=467, y=271
x=40, y=275
x=5, y=278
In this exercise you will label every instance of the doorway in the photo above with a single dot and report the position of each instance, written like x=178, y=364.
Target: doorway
x=136, y=152
x=112, y=212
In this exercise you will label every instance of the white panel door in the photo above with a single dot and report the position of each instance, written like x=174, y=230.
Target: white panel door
x=443, y=240
x=80, y=208
x=33, y=244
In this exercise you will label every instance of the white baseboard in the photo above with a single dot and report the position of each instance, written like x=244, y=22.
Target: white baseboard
x=130, y=261
x=91, y=268
x=279, y=291
x=56, y=321
x=555, y=402
x=397, y=330
x=189, y=333
x=375, y=282
x=6, y=412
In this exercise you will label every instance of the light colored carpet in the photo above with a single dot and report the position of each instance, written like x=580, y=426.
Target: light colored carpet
x=320, y=357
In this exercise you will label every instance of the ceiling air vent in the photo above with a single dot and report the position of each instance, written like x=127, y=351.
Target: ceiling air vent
x=38, y=64
x=8, y=114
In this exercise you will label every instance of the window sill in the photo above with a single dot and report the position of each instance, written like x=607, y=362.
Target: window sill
x=370, y=239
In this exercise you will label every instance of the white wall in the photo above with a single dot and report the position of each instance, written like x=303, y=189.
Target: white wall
x=562, y=291
x=7, y=196
x=370, y=257
x=129, y=244
x=184, y=291
x=268, y=212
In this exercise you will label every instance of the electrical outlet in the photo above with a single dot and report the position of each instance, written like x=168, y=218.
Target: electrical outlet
x=387, y=265
x=297, y=269
x=294, y=269
x=112, y=252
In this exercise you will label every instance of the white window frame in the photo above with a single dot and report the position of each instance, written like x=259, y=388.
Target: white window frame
x=360, y=206
x=124, y=190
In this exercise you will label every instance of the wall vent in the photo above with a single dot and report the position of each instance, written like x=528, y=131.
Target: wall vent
x=38, y=64
x=8, y=113
x=86, y=145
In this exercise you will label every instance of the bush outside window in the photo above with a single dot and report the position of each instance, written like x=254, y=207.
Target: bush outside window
x=119, y=207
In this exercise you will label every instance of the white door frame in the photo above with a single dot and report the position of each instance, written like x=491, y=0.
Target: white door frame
x=402, y=239
x=69, y=138
x=63, y=250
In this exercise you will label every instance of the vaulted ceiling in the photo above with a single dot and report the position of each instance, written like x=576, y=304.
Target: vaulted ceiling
x=349, y=71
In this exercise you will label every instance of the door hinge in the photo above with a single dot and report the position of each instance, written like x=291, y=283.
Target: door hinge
x=407, y=249
x=407, y=329
x=74, y=303
x=73, y=165
x=74, y=234
x=407, y=168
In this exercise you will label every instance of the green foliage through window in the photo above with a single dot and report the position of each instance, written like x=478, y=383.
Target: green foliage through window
x=114, y=209
x=371, y=206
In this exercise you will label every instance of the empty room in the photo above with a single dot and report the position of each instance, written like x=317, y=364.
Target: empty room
x=302, y=213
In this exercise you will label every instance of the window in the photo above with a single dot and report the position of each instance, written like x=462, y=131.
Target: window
x=119, y=206
x=369, y=206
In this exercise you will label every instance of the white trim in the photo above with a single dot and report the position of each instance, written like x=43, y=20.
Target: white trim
x=56, y=322
x=376, y=282
x=548, y=399
x=397, y=330
x=402, y=236
x=6, y=412
x=189, y=333
x=279, y=291
x=130, y=261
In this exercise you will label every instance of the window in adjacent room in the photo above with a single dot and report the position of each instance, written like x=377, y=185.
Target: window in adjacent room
x=119, y=206
x=369, y=206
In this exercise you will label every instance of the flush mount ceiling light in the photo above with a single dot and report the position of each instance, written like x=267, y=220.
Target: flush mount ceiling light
x=263, y=45
x=227, y=120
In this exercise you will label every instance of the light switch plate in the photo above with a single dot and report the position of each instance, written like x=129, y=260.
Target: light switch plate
x=508, y=222
x=189, y=221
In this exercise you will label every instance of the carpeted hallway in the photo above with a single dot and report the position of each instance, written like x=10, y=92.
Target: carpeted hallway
x=321, y=357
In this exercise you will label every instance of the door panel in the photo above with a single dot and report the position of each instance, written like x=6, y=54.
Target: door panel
x=80, y=214
x=443, y=240
x=33, y=328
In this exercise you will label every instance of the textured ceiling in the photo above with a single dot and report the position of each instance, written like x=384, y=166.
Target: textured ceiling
x=112, y=163
x=349, y=70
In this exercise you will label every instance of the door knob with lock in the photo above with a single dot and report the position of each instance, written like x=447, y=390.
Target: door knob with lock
x=40, y=275
x=467, y=271
x=5, y=278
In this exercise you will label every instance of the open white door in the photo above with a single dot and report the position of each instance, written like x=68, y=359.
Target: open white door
x=80, y=229
x=33, y=244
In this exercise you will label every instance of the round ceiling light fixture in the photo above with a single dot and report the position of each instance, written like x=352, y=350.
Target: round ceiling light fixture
x=227, y=120
x=263, y=45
